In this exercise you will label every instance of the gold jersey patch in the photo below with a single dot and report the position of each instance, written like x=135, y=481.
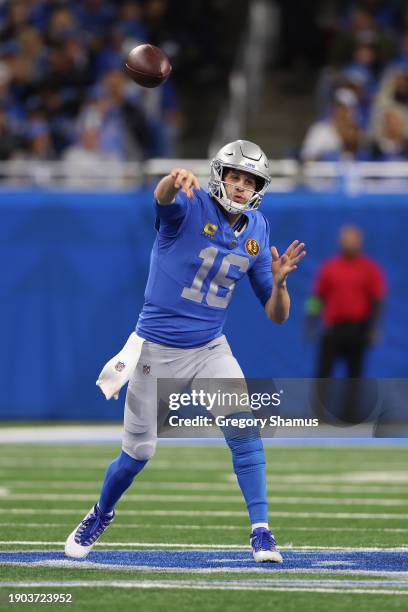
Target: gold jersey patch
x=252, y=246
x=210, y=229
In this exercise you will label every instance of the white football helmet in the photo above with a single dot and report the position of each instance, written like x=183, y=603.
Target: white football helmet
x=239, y=155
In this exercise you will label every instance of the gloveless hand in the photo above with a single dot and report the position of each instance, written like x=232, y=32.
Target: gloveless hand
x=185, y=180
x=282, y=265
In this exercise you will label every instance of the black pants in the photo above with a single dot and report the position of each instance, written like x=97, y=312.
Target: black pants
x=347, y=342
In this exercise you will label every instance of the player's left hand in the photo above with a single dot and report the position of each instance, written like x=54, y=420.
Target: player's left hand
x=283, y=264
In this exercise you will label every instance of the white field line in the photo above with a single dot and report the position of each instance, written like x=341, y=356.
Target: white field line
x=342, y=529
x=181, y=546
x=373, y=476
x=87, y=464
x=110, y=434
x=285, y=472
x=138, y=526
x=130, y=545
x=83, y=565
x=193, y=585
x=69, y=434
x=215, y=527
x=282, y=472
x=367, y=477
x=231, y=499
x=324, y=582
x=204, y=486
x=210, y=513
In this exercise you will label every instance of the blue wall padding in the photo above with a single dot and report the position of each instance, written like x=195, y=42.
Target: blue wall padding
x=74, y=266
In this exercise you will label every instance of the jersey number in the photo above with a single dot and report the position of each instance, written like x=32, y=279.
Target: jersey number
x=221, y=279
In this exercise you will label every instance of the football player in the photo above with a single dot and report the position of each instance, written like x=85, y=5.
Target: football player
x=206, y=242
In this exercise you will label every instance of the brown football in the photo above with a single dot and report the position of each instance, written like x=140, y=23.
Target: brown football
x=147, y=65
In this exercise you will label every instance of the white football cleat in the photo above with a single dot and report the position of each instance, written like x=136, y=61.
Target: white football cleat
x=264, y=546
x=81, y=541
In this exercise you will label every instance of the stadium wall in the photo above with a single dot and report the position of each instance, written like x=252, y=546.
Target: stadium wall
x=74, y=266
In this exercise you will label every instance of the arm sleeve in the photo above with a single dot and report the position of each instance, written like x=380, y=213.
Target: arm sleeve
x=169, y=217
x=260, y=275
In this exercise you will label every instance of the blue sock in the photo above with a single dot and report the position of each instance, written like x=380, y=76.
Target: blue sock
x=248, y=459
x=119, y=476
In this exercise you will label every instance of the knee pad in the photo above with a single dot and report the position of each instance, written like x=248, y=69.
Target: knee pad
x=140, y=446
x=145, y=451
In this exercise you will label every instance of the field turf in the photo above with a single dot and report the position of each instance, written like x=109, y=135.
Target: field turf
x=180, y=538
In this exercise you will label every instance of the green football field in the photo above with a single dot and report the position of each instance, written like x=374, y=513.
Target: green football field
x=180, y=538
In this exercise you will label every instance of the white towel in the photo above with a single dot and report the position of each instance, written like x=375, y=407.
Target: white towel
x=119, y=369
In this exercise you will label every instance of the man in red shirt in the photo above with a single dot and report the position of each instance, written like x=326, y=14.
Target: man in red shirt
x=348, y=293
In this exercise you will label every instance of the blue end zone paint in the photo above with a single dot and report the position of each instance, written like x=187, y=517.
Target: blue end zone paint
x=355, y=561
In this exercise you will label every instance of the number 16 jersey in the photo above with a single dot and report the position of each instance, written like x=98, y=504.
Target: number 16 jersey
x=196, y=261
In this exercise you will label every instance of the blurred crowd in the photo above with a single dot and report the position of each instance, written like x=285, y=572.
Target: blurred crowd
x=64, y=95
x=362, y=94
x=63, y=92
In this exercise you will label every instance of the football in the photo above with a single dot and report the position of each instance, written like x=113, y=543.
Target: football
x=147, y=65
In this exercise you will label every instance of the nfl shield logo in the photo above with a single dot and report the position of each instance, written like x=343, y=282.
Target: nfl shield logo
x=120, y=366
x=146, y=370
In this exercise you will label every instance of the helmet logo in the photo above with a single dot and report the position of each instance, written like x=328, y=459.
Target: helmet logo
x=249, y=165
x=252, y=247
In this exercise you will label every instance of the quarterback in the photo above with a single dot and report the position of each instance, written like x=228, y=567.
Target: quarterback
x=206, y=242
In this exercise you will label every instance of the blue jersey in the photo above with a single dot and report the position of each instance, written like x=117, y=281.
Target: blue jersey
x=195, y=264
